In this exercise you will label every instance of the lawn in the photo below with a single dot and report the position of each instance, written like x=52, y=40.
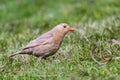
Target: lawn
x=97, y=21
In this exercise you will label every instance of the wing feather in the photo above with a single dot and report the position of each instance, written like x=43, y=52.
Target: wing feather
x=43, y=39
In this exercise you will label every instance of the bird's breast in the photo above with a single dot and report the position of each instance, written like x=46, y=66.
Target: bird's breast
x=58, y=40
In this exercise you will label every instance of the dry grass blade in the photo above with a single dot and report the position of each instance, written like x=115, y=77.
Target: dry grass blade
x=107, y=59
x=102, y=55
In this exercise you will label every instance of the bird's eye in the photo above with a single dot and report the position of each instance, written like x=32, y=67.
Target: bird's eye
x=64, y=26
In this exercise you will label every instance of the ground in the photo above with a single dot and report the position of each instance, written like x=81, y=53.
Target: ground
x=97, y=21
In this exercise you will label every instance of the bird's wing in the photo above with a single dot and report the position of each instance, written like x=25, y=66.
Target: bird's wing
x=43, y=39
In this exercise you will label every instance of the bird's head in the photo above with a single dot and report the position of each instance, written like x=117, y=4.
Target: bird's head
x=63, y=28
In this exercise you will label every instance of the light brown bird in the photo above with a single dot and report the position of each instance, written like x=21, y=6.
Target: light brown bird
x=47, y=44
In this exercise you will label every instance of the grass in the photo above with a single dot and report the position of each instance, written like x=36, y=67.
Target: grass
x=23, y=20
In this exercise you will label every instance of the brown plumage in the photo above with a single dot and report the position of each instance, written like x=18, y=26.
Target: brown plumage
x=47, y=44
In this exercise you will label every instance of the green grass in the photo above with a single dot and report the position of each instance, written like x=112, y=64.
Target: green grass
x=23, y=20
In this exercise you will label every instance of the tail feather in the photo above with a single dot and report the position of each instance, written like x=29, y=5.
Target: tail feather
x=19, y=52
x=27, y=51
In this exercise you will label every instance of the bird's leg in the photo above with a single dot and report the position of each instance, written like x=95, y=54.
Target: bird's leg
x=39, y=59
x=44, y=58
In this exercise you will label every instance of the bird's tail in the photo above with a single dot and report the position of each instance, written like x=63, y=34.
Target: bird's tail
x=15, y=54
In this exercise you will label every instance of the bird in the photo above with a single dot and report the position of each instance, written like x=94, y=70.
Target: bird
x=46, y=44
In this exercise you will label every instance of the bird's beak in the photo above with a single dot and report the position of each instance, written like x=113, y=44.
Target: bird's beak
x=71, y=29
